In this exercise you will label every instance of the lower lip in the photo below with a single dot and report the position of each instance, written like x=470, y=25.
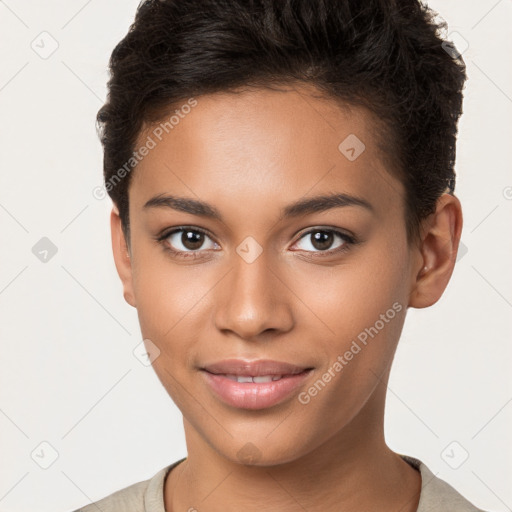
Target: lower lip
x=254, y=395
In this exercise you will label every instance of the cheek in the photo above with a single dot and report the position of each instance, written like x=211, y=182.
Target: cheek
x=363, y=302
x=352, y=296
x=173, y=307
x=166, y=293
x=363, y=306
x=365, y=319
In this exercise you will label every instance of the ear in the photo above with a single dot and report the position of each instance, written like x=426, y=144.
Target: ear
x=122, y=256
x=438, y=248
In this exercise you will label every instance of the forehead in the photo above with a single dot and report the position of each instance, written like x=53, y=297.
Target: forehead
x=266, y=144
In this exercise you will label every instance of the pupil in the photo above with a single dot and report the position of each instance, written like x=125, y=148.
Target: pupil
x=192, y=240
x=322, y=239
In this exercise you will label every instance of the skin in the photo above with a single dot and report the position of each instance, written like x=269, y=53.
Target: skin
x=249, y=155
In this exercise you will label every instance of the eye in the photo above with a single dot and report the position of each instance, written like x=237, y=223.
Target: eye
x=322, y=240
x=186, y=240
x=189, y=242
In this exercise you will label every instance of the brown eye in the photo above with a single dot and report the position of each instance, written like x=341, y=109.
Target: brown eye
x=323, y=240
x=188, y=240
x=192, y=240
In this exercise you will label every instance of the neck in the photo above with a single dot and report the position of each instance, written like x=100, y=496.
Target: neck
x=352, y=471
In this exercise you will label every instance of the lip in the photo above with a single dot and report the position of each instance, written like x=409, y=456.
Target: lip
x=254, y=368
x=253, y=395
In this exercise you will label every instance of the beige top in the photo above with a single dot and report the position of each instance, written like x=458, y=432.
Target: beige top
x=148, y=496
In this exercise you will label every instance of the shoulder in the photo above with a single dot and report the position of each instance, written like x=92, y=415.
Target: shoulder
x=436, y=494
x=129, y=498
x=144, y=496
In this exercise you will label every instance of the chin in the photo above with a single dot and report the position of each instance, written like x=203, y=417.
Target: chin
x=262, y=453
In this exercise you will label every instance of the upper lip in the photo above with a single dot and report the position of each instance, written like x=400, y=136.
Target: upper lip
x=254, y=368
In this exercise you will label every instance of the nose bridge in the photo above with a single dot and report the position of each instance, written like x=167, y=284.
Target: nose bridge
x=253, y=299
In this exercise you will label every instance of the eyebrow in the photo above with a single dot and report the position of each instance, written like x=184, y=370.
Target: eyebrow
x=302, y=207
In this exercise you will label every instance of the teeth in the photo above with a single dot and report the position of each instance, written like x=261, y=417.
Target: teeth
x=263, y=378
x=258, y=379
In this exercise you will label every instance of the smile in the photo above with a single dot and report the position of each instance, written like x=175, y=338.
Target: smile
x=257, y=379
x=254, y=392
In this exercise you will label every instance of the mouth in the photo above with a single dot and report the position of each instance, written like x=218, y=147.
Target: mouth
x=254, y=385
x=258, y=368
x=255, y=378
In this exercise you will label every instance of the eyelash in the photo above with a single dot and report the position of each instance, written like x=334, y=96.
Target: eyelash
x=349, y=241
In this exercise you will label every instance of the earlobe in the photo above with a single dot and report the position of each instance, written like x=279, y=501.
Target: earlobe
x=438, y=252
x=122, y=256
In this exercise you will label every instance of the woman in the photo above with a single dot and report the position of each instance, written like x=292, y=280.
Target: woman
x=283, y=187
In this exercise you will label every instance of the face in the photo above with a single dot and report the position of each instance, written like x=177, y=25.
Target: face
x=324, y=288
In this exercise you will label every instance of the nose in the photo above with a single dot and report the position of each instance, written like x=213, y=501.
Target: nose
x=253, y=300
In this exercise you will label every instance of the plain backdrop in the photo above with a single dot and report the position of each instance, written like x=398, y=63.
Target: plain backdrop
x=73, y=396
